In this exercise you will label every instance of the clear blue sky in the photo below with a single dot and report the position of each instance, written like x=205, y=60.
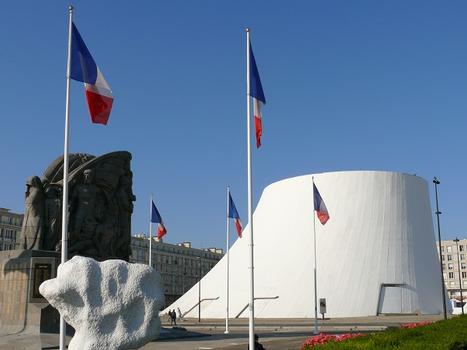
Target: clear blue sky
x=377, y=85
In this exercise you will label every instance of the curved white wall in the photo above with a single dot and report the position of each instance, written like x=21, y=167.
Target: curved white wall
x=380, y=232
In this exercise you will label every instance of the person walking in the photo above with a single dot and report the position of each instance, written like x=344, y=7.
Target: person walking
x=174, y=317
x=171, y=318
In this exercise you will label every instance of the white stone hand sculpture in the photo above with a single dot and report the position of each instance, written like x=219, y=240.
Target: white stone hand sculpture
x=112, y=305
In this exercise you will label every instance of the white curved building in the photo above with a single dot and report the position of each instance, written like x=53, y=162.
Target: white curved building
x=376, y=254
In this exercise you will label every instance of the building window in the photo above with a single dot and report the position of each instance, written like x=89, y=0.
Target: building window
x=442, y=248
x=444, y=267
x=442, y=257
x=463, y=266
x=462, y=256
x=449, y=257
x=451, y=274
x=450, y=267
x=464, y=274
x=461, y=248
x=449, y=249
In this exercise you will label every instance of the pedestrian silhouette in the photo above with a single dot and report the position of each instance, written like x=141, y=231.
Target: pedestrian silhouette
x=258, y=345
x=171, y=317
x=174, y=317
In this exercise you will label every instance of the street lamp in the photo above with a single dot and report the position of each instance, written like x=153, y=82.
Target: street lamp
x=459, y=270
x=436, y=182
x=199, y=288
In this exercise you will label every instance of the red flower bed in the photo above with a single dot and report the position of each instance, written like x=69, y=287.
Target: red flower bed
x=322, y=338
x=415, y=324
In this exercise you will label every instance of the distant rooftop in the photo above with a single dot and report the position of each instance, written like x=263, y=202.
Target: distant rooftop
x=182, y=244
x=7, y=211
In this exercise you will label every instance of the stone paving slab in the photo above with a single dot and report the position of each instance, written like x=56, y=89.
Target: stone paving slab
x=275, y=334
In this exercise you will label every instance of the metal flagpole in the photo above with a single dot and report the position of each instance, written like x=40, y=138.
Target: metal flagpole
x=438, y=213
x=227, y=255
x=250, y=197
x=315, y=331
x=150, y=231
x=64, y=256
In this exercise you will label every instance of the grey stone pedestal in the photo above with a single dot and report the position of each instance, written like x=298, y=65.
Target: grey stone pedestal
x=22, y=308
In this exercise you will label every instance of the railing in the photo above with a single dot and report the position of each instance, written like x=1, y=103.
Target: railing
x=205, y=299
x=258, y=298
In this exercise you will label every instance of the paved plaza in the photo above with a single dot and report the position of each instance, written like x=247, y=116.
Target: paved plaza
x=209, y=334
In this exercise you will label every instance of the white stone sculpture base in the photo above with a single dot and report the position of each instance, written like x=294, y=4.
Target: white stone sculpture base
x=112, y=305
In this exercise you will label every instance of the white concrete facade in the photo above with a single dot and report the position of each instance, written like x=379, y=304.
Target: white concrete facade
x=376, y=254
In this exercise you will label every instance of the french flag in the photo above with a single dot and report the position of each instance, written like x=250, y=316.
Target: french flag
x=233, y=214
x=320, y=207
x=256, y=91
x=84, y=69
x=157, y=219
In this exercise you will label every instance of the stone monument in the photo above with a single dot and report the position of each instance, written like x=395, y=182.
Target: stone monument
x=111, y=304
x=99, y=211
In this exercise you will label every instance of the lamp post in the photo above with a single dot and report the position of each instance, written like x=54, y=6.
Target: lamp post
x=199, y=288
x=437, y=182
x=459, y=270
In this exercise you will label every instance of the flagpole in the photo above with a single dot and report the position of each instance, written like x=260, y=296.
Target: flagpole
x=315, y=331
x=64, y=256
x=150, y=231
x=250, y=197
x=227, y=256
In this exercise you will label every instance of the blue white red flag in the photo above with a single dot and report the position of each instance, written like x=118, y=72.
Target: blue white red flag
x=84, y=69
x=233, y=214
x=256, y=91
x=320, y=207
x=157, y=219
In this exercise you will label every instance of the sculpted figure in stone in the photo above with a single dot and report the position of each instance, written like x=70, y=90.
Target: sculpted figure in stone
x=32, y=230
x=99, y=210
x=84, y=212
x=53, y=216
x=125, y=200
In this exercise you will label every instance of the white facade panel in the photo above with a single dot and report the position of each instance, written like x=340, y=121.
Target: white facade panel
x=376, y=254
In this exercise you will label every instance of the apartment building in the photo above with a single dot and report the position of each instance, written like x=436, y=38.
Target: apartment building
x=454, y=262
x=180, y=265
x=10, y=229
